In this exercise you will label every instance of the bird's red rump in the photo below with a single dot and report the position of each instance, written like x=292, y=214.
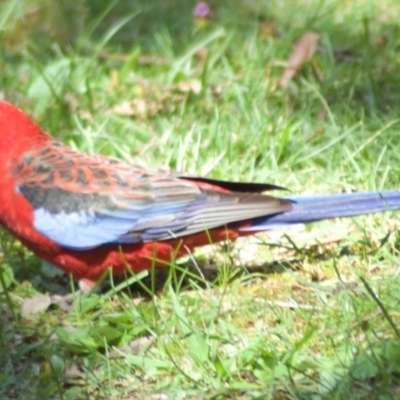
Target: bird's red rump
x=205, y=185
x=91, y=264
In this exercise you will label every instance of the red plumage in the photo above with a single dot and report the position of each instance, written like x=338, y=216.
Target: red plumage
x=85, y=213
x=29, y=158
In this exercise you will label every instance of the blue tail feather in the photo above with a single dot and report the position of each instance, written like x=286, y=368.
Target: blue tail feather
x=316, y=208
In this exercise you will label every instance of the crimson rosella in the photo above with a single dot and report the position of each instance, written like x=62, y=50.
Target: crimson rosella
x=85, y=213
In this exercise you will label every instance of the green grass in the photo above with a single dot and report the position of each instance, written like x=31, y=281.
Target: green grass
x=304, y=314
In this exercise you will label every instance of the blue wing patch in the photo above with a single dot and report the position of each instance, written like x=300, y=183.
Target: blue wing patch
x=81, y=230
x=86, y=229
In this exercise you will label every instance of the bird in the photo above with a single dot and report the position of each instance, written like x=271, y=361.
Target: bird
x=88, y=213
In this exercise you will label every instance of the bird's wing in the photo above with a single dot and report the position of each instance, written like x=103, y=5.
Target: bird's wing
x=82, y=201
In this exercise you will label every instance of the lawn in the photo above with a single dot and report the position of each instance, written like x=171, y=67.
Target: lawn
x=307, y=313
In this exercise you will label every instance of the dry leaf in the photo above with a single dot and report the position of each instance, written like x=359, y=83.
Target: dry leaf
x=73, y=372
x=302, y=52
x=193, y=85
x=139, y=343
x=34, y=305
x=136, y=108
x=64, y=302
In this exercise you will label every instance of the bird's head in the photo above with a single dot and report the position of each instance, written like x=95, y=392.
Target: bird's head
x=18, y=133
